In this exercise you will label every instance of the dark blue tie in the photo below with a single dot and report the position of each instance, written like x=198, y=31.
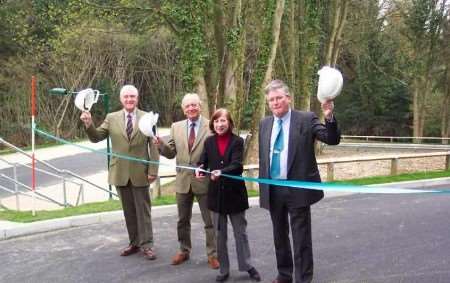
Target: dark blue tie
x=277, y=148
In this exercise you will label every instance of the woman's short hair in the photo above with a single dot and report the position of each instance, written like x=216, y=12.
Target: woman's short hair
x=221, y=112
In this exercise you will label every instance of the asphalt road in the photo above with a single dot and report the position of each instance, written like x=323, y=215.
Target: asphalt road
x=356, y=238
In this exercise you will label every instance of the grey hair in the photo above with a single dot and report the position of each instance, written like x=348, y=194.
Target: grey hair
x=276, y=85
x=190, y=96
x=128, y=88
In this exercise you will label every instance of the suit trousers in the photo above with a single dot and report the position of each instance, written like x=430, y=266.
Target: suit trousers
x=239, y=224
x=136, y=206
x=184, y=204
x=282, y=211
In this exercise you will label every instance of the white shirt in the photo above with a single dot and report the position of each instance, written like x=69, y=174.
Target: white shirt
x=133, y=117
x=196, y=128
x=284, y=153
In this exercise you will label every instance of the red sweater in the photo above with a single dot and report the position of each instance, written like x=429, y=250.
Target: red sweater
x=222, y=142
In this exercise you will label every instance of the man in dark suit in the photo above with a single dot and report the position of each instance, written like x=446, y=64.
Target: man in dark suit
x=131, y=178
x=286, y=152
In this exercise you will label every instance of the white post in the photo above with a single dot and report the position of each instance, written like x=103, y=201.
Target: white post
x=33, y=160
x=16, y=187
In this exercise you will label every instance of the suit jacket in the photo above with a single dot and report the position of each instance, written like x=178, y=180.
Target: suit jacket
x=305, y=128
x=139, y=146
x=177, y=146
x=225, y=195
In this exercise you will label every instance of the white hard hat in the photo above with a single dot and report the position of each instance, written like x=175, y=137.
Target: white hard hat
x=86, y=98
x=147, y=124
x=330, y=83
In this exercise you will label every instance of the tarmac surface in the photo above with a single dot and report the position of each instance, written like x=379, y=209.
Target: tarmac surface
x=356, y=238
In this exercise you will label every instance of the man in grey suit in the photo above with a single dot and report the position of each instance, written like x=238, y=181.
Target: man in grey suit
x=186, y=144
x=131, y=178
x=286, y=152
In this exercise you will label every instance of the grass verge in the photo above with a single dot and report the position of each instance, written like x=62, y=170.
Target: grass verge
x=25, y=216
x=397, y=178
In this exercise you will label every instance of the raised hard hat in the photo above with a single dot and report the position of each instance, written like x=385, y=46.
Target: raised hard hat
x=330, y=83
x=86, y=98
x=147, y=124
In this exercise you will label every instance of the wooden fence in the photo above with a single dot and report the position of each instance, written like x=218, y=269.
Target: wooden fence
x=252, y=169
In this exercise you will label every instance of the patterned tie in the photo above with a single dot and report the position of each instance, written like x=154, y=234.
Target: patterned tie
x=129, y=126
x=191, y=137
x=277, y=148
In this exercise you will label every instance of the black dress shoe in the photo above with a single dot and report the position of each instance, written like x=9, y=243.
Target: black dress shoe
x=281, y=281
x=222, y=277
x=254, y=275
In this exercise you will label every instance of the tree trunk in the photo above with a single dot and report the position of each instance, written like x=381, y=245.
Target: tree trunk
x=234, y=55
x=334, y=12
x=338, y=36
x=251, y=152
x=445, y=117
x=219, y=30
x=292, y=45
x=200, y=88
x=416, y=111
x=338, y=14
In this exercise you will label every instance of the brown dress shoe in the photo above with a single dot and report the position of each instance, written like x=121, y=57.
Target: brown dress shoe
x=149, y=253
x=129, y=250
x=213, y=262
x=179, y=258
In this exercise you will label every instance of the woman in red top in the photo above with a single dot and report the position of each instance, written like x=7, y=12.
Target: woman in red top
x=227, y=198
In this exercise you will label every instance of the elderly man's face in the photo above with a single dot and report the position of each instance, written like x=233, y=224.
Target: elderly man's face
x=129, y=100
x=278, y=102
x=191, y=108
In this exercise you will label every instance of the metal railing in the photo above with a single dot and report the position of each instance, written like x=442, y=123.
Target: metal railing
x=60, y=173
x=64, y=180
x=35, y=191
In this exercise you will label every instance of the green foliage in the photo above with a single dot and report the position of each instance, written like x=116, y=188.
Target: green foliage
x=255, y=99
x=189, y=19
x=375, y=99
x=163, y=46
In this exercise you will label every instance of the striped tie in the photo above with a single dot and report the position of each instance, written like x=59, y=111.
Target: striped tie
x=191, y=138
x=129, y=126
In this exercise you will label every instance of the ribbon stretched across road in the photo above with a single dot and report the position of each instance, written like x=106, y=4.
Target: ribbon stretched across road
x=330, y=187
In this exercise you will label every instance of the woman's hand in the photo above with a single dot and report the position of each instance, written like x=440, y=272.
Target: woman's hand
x=215, y=174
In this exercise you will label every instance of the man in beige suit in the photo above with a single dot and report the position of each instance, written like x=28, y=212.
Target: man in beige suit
x=186, y=143
x=131, y=178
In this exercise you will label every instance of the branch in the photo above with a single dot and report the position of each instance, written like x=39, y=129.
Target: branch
x=163, y=15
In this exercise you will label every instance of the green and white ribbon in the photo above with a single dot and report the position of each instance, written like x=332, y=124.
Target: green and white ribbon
x=330, y=187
